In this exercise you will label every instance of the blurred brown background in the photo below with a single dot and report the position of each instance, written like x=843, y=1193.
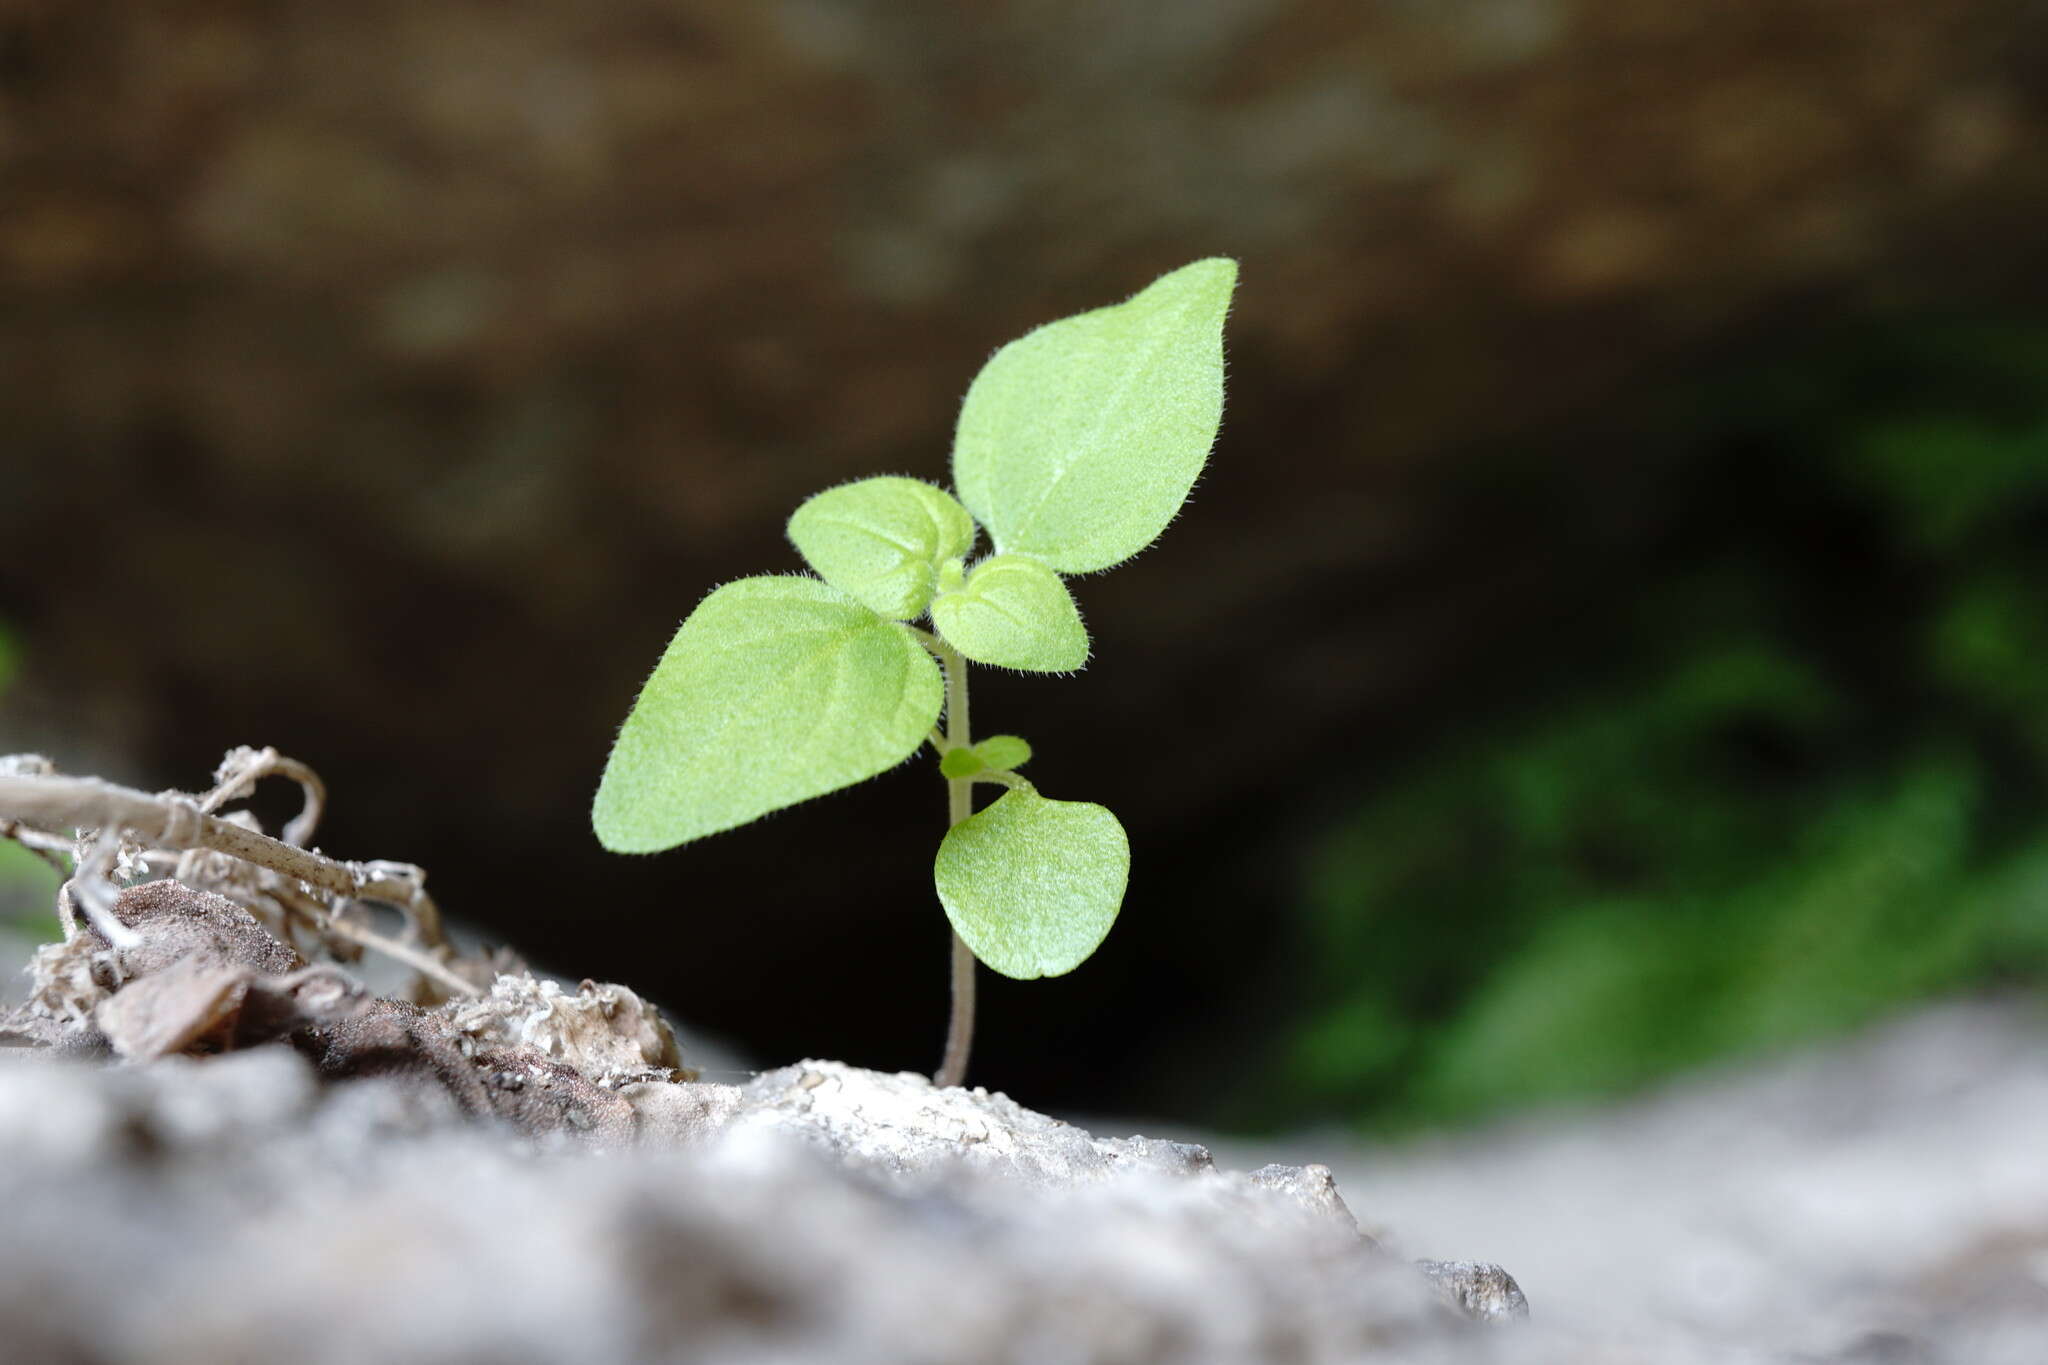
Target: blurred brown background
x=384, y=381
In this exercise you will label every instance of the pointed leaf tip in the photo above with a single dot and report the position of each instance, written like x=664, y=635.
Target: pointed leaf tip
x=775, y=690
x=1079, y=441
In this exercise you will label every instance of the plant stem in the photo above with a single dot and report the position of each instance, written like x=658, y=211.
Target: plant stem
x=959, y=805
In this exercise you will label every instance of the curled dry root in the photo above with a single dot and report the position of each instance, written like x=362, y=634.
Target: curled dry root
x=101, y=836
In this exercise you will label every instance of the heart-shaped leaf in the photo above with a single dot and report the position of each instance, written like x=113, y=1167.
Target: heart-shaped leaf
x=1033, y=885
x=774, y=690
x=881, y=541
x=1013, y=612
x=1078, y=442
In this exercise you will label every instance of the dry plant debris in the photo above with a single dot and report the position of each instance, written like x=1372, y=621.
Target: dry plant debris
x=189, y=932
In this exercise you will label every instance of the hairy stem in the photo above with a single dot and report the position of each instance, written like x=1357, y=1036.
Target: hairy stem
x=959, y=805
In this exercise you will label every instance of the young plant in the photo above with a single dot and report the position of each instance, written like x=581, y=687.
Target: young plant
x=1077, y=443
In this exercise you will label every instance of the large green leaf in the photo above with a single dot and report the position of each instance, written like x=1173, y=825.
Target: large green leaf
x=882, y=540
x=774, y=691
x=1013, y=612
x=1078, y=442
x=1033, y=885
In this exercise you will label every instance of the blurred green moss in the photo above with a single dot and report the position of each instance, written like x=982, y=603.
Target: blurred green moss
x=28, y=890
x=28, y=885
x=1809, y=782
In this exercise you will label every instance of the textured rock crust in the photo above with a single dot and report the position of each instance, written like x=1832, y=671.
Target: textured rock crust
x=529, y=1175
x=243, y=1209
x=237, y=1208
x=1878, y=1201
x=1881, y=1200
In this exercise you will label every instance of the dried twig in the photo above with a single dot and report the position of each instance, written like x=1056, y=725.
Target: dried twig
x=243, y=768
x=89, y=888
x=176, y=822
x=41, y=800
x=421, y=961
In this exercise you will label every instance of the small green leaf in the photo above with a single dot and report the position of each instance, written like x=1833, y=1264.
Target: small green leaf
x=1033, y=885
x=960, y=763
x=774, y=691
x=1013, y=612
x=1003, y=753
x=882, y=541
x=1078, y=442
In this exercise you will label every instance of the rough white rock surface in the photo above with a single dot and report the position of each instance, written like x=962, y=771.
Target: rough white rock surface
x=1881, y=1200
x=603, y=1030
x=518, y=1177
x=238, y=1209
x=212, y=1151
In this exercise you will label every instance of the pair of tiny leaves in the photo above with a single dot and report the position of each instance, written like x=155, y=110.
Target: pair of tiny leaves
x=778, y=689
x=1076, y=445
x=897, y=545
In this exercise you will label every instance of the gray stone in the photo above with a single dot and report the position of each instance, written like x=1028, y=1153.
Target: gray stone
x=1479, y=1290
x=533, y=1174
x=237, y=1208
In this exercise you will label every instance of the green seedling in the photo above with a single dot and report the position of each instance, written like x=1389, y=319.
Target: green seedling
x=1077, y=444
